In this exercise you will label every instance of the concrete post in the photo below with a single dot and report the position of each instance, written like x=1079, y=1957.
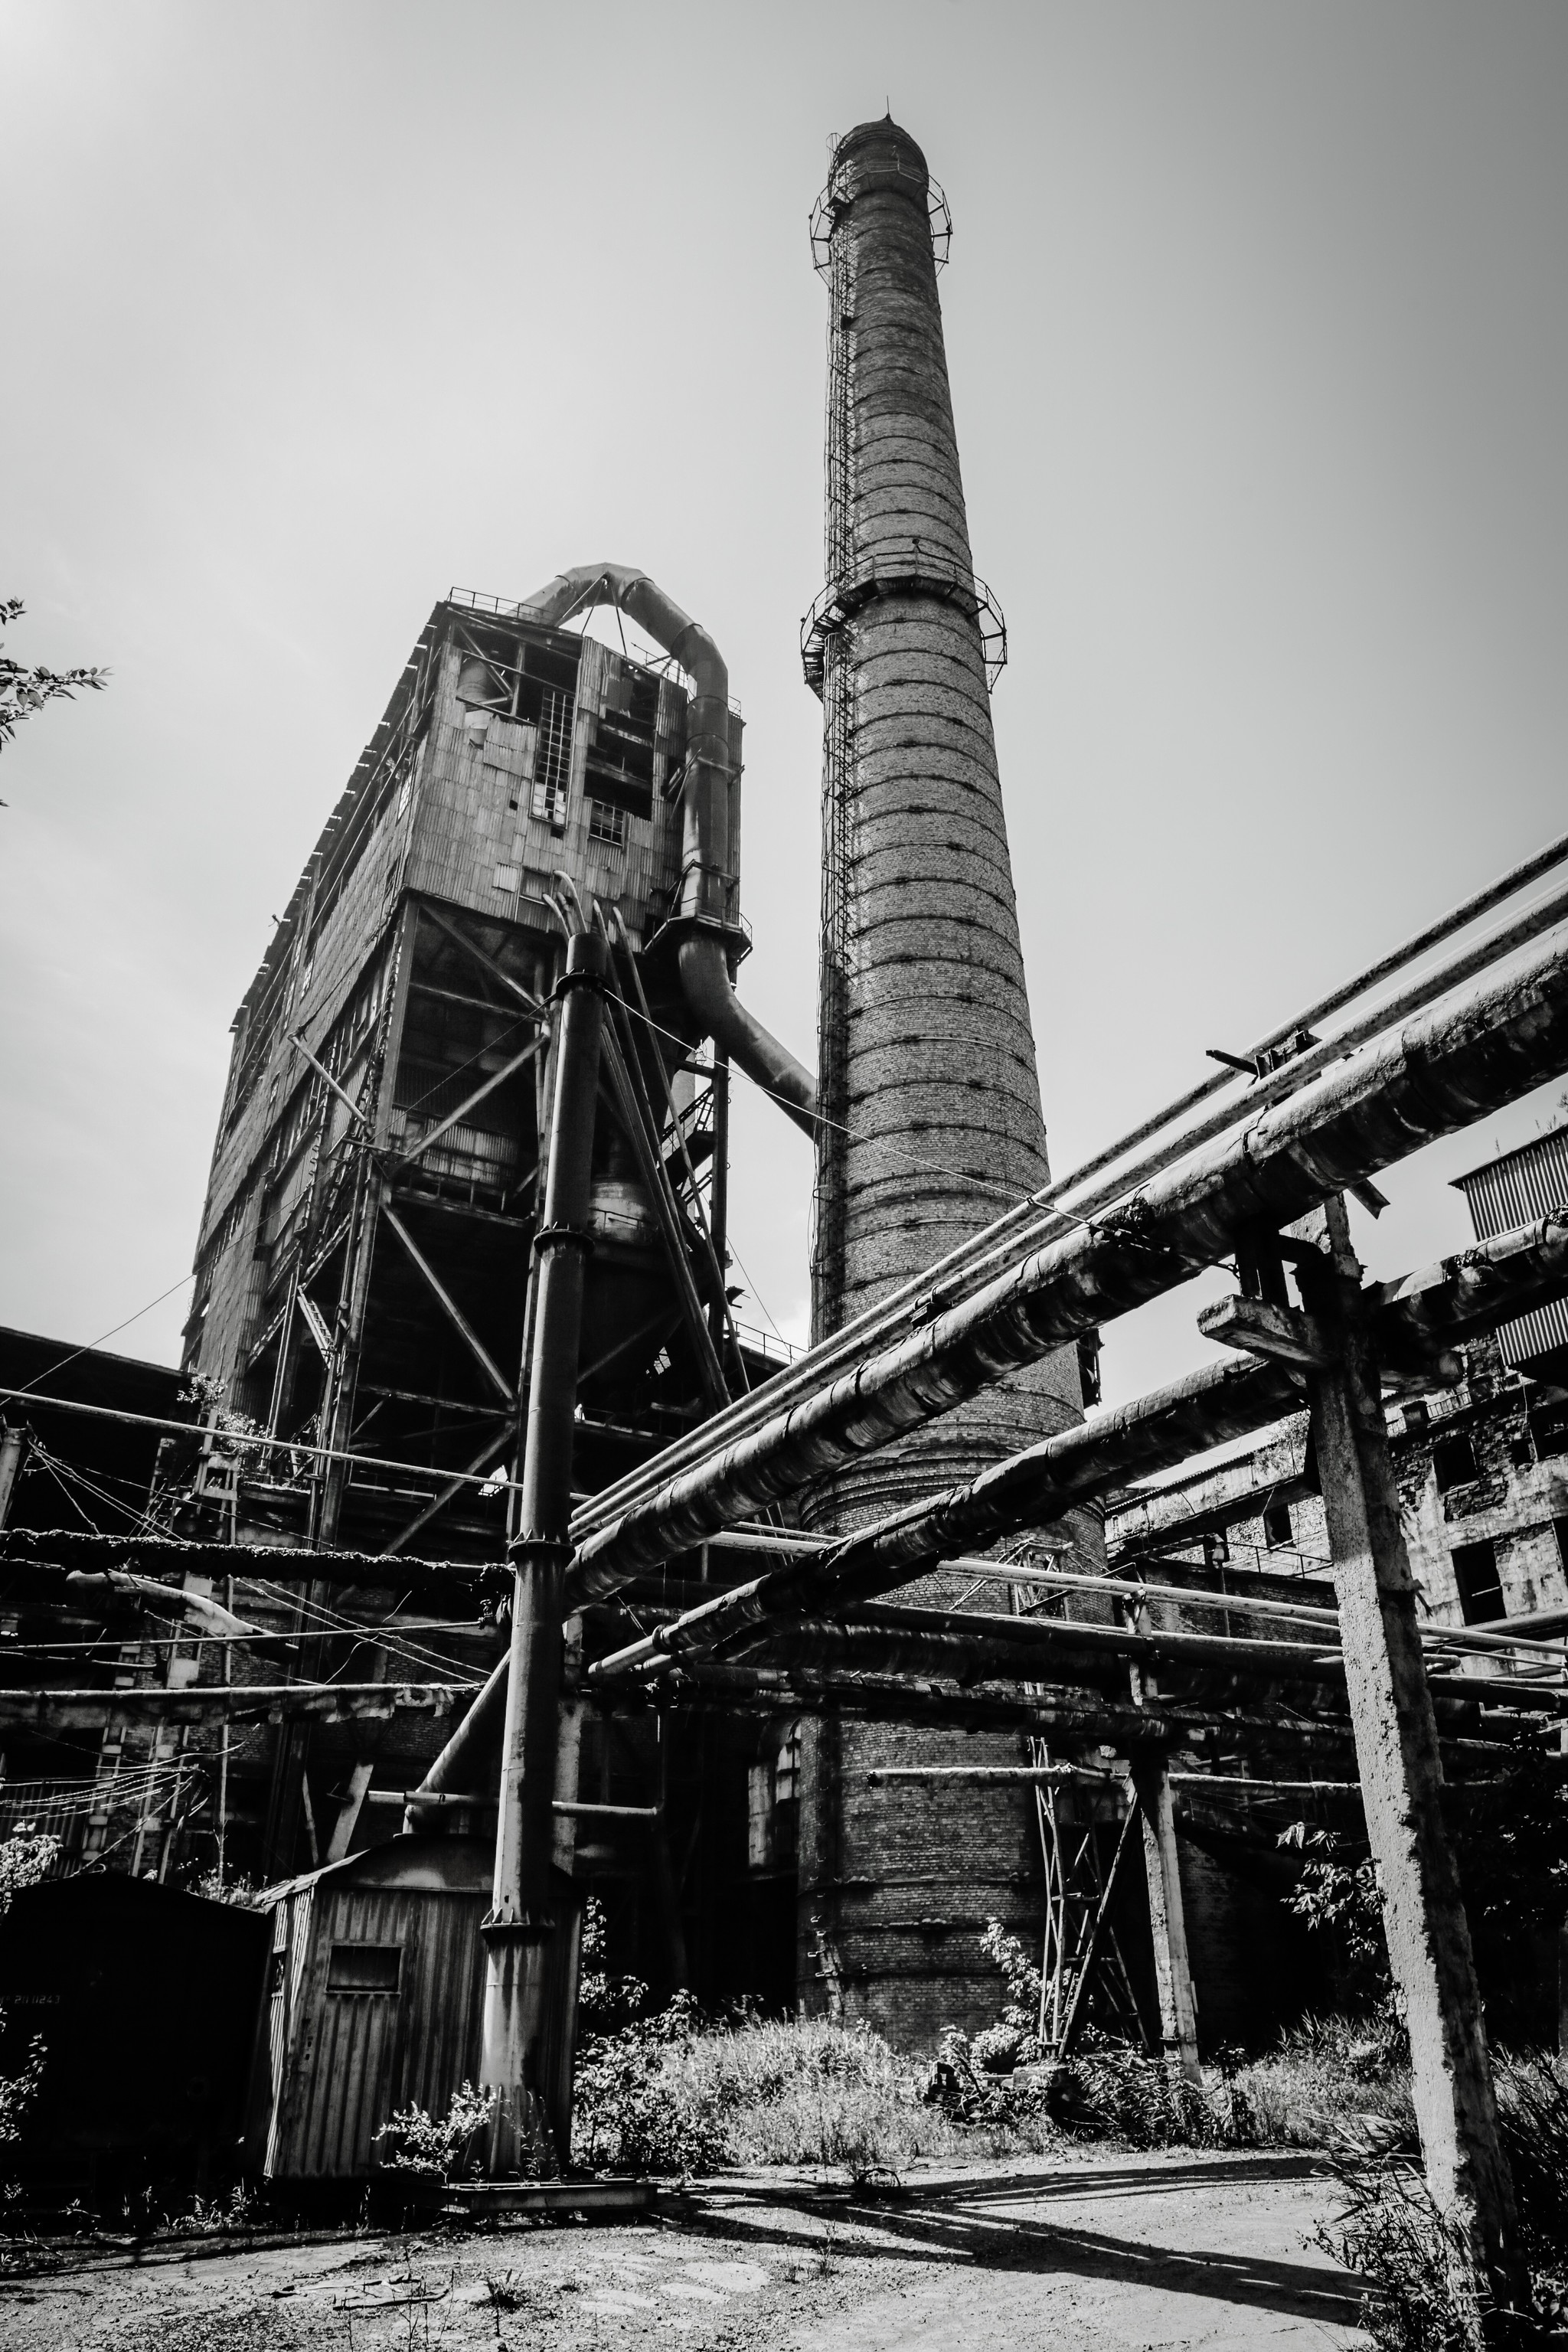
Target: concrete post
x=1396, y=1750
x=1167, y=1915
x=518, y=1928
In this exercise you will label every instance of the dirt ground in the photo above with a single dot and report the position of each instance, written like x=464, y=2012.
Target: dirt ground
x=1110, y=2253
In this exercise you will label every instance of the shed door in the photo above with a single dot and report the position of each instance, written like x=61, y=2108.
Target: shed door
x=362, y=1982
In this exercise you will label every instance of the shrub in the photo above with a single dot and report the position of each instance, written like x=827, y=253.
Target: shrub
x=1122, y=2094
x=415, y=2141
x=630, y=2111
x=25, y=1858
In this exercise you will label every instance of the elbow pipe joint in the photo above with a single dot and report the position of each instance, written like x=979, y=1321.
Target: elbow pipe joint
x=708, y=880
x=705, y=982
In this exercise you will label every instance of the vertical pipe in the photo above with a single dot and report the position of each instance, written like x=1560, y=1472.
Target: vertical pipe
x=518, y=1928
x=226, y=1675
x=719, y=1198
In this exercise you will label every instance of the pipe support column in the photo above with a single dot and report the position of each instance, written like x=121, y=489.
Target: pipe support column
x=519, y=1928
x=1400, y=1776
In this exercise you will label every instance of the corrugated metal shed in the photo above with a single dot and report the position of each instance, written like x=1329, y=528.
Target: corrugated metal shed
x=1517, y=1189
x=374, y=2000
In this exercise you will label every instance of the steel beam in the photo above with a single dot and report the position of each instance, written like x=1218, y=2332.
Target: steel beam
x=453, y=1312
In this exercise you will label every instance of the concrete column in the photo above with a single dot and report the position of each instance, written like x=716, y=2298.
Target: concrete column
x=1400, y=1776
x=1167, y=1915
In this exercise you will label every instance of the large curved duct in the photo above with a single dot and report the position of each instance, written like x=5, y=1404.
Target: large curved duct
x=710, y=823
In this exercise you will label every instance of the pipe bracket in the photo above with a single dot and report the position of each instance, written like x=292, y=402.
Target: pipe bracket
x=554, y=1237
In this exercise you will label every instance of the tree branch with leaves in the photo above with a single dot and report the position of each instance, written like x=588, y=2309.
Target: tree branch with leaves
x=26, y=687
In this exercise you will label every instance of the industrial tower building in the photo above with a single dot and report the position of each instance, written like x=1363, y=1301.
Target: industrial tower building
x=364, y=1268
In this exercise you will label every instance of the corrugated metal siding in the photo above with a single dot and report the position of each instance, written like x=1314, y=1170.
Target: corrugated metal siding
x=291, y=1948
x=442, y=824
x=1517, y=1190
x=357, y=2058
x=465, y=830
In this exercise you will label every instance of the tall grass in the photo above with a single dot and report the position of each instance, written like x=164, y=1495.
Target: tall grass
x=1331, y=2082
x=674, y=2095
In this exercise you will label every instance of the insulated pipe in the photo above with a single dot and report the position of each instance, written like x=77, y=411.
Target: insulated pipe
x=1436, y=1076
x=1491, y=1284
x=709, y=850
x=1024, y=1229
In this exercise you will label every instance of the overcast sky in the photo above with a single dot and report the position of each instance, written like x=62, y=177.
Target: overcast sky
x=1258, y=337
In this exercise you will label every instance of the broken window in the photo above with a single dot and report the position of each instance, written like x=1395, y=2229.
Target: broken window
x=1548, y=1428
x=1088, y=1379
x=1278, y=1533
x=553, y=760
x=607, y=823
x=773, y=1788
x=1480, y=1586
x=1454, y=1461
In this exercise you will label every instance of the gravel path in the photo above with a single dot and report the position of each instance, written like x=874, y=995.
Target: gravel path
x=1159, y=2253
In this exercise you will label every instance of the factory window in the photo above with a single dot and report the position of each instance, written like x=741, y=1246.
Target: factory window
x=366, y=1967
x=1277, y=1529
x=607, y=823
x=786, y=1771
x=773, y=1786
x=759, y=1815
x=549, y=801
x=1481, y=1587
x=1454, y=1459
x=1088, y=1379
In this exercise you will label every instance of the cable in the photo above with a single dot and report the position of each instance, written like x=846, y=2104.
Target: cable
x=87, y=1351
x=753, y=1292
x=90, y=1524
x=63, y=1471
x=329, y=1620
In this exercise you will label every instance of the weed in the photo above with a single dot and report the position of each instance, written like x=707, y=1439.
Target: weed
x=414, y=2141
x=1391, y=2234
x=505, y=2293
